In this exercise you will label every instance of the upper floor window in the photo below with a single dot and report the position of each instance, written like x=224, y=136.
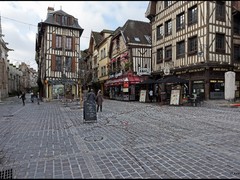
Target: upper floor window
x=220, y=43
x=68, y=43
x=159, y=55
x=192, y=45
x=58, y=41
x=68, y=64
x=192, y=15
x=58, y=63
x=58, y=19
x=159, y=32
x=180, y=21
x=167, y=3
x=168, y=27
x=220, y=10
x=236, y=53
x=168, y=53
x=117, y=43
x=180, y=49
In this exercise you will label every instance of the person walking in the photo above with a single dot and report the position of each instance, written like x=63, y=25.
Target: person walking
x=23, y=98
x=151, y=95
x=38, y=98
x=91, y=96
x=99, y=100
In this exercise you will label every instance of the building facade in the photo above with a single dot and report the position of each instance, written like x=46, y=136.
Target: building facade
x=57, y=55
x=197, y=41
x=130, y=60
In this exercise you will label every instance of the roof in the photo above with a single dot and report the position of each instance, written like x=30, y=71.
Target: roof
x=50, y=19
x=97, y=37
x=138, y=32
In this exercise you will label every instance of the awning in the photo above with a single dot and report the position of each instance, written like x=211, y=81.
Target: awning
x=120, y=80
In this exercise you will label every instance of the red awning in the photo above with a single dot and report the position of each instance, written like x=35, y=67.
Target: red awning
x=120, y=80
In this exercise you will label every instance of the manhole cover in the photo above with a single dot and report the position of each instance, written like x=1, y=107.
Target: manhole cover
x=93, y=138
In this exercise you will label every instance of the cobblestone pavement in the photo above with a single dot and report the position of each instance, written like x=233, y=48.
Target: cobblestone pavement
x=129, y=140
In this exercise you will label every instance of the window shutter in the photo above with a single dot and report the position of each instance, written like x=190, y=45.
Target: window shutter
x=53, y=62
x=73, y=65
x=53, y=40
x=73, y=43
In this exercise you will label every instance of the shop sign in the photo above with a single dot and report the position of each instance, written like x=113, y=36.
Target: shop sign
x=197, y=82
x=125, y=84
x=196, y=70
x=216, y=81
x=125, y=89
x=142, y=71
x=220, y=69
x=181, y=72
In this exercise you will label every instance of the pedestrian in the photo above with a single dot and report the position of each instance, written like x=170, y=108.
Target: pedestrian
x=99, y=100
x=23, y=98
x=151, y=95
x=32, y=97
x=91, y=96
x=38, y=98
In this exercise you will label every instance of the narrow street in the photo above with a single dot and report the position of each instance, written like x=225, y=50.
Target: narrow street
x=129, y=140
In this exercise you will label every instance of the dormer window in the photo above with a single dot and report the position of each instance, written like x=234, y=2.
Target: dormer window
x=63, y=20
x=137, y=39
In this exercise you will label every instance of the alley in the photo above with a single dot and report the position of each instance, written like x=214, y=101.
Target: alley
x=129, y=140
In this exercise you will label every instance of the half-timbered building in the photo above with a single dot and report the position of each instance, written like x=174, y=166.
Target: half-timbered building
x=197, y=41
x=130, y=59
x=57, y=54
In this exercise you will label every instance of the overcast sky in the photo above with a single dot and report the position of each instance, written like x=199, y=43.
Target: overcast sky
x=19, y=21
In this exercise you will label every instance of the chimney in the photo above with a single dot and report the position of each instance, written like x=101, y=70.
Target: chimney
x=50, y=9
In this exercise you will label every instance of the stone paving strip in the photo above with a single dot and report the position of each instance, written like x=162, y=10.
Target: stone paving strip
x=130, y=140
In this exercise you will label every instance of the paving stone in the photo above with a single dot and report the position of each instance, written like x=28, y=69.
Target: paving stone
x=140, y=140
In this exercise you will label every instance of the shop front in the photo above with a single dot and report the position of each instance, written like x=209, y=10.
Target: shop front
x=124, y=87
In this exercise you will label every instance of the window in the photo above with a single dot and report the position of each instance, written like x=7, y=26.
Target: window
x=59, y=19
x=58, y=41
x=159, y=55
x=69, y=43
x=159, y=32
x=168, y=53
x=236, y=53
x=167, y=3
x=137, y=39
x=220, y=10
x=180, y=49
x=148, y=38
x=68, y=64
x=168, y=27
x=192, y=45
x=220, y=43
x=192, y=15
x=180, y=21
x=58, y=63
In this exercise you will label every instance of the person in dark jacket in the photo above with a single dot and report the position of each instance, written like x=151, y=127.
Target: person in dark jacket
x=91, y=96
x=99, y=100
x=23, y=98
